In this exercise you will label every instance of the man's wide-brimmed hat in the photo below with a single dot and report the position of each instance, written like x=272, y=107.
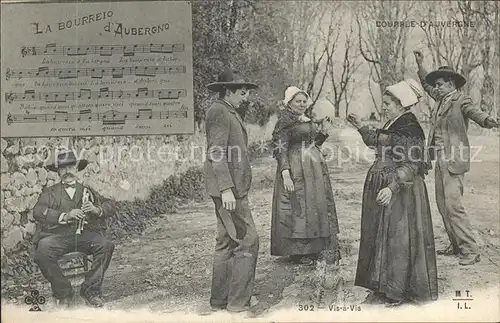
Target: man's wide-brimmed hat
x=67, y=159
x=445, y=71
x=230, y=78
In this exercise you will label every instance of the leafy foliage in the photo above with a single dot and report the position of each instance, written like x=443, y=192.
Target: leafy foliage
x=254, y=37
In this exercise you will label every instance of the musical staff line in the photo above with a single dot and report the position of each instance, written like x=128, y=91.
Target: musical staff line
x=102, y=50
x=107, y=118
x=87, y=94
x=94, y=72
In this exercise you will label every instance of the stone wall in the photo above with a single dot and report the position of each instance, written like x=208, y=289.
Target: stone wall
x=121, y=168
x=145, y=177
x=22, y=179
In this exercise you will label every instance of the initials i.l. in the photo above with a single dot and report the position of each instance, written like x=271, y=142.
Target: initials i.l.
x=465, y=307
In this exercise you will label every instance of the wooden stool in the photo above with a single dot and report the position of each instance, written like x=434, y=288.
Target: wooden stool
x=75, y=265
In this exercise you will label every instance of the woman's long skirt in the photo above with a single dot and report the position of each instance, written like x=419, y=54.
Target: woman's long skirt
x=396, y=251
x=304, y=221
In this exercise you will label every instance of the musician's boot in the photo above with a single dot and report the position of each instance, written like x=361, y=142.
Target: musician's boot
x=64, y=303
x=93, y=300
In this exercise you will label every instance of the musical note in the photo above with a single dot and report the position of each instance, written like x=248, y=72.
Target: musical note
x=85, y=115
x=113, y=117
x=143, y=92
x=53, y=97
x=7, y=74
x=103, y=50
x=129, y=50
x=66, y=74
x=61, y=116
x=86, y=94
x=171, y=94
x=104, y=93
x=117, y=72
x=42, y=71
x=50, y=49
x=94, y=72
x=108, y=117
x=29, y=95
x=147, y=113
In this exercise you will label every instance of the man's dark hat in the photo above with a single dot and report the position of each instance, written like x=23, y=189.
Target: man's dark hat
x=230, y=78
x=445, y=71
x=67, y=159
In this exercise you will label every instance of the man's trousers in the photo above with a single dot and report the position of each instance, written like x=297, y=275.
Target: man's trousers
x=234, y=262
x=51, y=248
x=449, y=192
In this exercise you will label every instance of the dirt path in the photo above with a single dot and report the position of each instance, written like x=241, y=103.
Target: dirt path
x=174, y=259
x=168, y=268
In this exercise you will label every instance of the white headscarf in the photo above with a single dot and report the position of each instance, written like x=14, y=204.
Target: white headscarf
x=408, y=92
x=290, y=93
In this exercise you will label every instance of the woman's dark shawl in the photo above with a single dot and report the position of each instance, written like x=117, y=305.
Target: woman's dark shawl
x=407, y=139
x=287, y=119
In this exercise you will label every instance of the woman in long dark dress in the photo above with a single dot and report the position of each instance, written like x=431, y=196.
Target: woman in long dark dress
x=397, y=259
x=304, y=220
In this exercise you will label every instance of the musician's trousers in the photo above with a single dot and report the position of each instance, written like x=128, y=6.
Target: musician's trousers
x=51, y=248
x=234, y=263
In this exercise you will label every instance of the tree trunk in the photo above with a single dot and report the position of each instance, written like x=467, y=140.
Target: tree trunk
x=488, y=90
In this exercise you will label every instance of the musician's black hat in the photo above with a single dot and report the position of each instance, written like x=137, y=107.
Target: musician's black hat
x=67, y=158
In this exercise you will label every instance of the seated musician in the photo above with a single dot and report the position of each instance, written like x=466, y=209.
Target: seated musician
x=71, y=217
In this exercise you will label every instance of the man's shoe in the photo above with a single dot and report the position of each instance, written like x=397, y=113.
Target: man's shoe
x=469, y=259
x=93, y=300
x=251, y=304
x=63, y=302
x=448, y=251
x=207, y=310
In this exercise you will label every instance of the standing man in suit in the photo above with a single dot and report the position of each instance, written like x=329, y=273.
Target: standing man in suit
x=228, y=180
x=63, y=210
x=448, y=144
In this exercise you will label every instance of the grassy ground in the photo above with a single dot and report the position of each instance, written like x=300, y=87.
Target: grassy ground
x=168, y=268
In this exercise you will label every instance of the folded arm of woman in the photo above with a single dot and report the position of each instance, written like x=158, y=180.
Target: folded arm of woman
x=404, y=175
x=407, y=153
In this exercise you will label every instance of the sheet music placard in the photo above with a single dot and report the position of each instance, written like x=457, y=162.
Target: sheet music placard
x=91, y=69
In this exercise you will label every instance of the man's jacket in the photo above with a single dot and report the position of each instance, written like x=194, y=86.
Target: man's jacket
x=453, y=120
x=54, y=200
x=226, y=164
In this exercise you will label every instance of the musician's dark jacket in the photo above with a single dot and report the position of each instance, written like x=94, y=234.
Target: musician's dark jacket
x=54, y=200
